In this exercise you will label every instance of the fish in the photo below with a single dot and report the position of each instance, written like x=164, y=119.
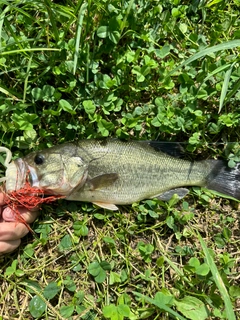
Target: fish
x=112, y=172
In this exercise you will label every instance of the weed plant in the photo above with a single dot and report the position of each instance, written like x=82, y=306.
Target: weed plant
x=135, y=69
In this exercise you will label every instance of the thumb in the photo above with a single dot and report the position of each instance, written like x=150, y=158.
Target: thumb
x=2, y=199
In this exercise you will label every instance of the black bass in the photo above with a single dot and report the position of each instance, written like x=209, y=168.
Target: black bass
x=114, y=172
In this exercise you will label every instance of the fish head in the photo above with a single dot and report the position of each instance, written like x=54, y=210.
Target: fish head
x=57, y=170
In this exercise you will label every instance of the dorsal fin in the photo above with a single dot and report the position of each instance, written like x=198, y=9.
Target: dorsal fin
x=174, y=149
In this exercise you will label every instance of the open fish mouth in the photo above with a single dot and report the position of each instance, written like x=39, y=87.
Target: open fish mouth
x=22, y=186
x=12, y=173
x=14, y=181
x=17, y=173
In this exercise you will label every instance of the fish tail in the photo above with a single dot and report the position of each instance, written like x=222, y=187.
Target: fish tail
x=224, y=179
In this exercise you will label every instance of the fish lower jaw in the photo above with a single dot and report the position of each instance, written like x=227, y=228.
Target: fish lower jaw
x=18, y=174
x=14, y=177
x=61, y=191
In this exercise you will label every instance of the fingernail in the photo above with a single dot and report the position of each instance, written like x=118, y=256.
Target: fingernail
x=8, y=214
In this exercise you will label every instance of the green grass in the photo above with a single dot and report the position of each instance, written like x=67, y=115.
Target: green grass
x=164, y=70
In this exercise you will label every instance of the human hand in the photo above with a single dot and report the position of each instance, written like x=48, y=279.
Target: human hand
x=11, y=231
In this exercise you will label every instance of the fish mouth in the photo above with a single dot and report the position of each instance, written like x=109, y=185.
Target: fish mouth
x=18, y=173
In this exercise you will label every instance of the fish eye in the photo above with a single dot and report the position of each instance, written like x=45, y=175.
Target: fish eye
x=39, y=159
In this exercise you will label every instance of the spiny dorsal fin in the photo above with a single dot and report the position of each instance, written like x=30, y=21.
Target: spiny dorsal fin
x=174, y=149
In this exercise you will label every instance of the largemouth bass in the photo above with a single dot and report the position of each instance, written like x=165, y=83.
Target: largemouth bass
x=114, y=172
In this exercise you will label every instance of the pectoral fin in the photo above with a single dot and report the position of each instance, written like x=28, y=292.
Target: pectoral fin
x=102, y=181
x=109, y=206
x=181, y=192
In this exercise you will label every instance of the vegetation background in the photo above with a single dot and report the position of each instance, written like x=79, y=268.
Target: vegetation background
x=166, y=70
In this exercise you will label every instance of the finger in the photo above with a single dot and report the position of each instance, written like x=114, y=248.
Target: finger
x=12, y=231
x=9, y=246
x=1, y=199
x=9, y=214
x=29, y=216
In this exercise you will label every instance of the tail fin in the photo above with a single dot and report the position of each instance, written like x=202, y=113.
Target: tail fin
x=224, y=179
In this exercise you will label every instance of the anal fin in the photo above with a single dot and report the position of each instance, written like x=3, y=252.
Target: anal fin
x=109, y=206
x=181, y=192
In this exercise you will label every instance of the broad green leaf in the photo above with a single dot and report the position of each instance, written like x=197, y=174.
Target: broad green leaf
x=97, y=270
x=89, y=106
x=163, y=52
x=66, y=106
x=155, y=122
x=170, y=222
x=234, y=291
x=70, y=285
x=138, y=72
x=12, y=269
x=173, y=201
x=202, y=270
x=65, y=243
x=30, y=135
x=37, y=307
x=162, y=299
x=231, y=163
x=80, y=229
x=159, y=302
x=37, y=94
x=194, y=262
x=114, y=278
x=48, y=93
x=194, y=139
x=176, y=12
x=109, y=241
x=124, y=310
x=51, y=290
x=94, y=268
x=83, y=231
x=99, y=216
x=102, y=31
x=111, y=312
x=9, y=271
x=104, y=132
x=192, y=308
x=25, y=121
x=66, y=311
x=19, y=273
x=100, y=278
x=32, y=286
x=124, y=299
x=183, y=27
x=114, y=36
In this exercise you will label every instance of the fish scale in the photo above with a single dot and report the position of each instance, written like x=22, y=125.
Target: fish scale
x=113, y=172
x=143, y=173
